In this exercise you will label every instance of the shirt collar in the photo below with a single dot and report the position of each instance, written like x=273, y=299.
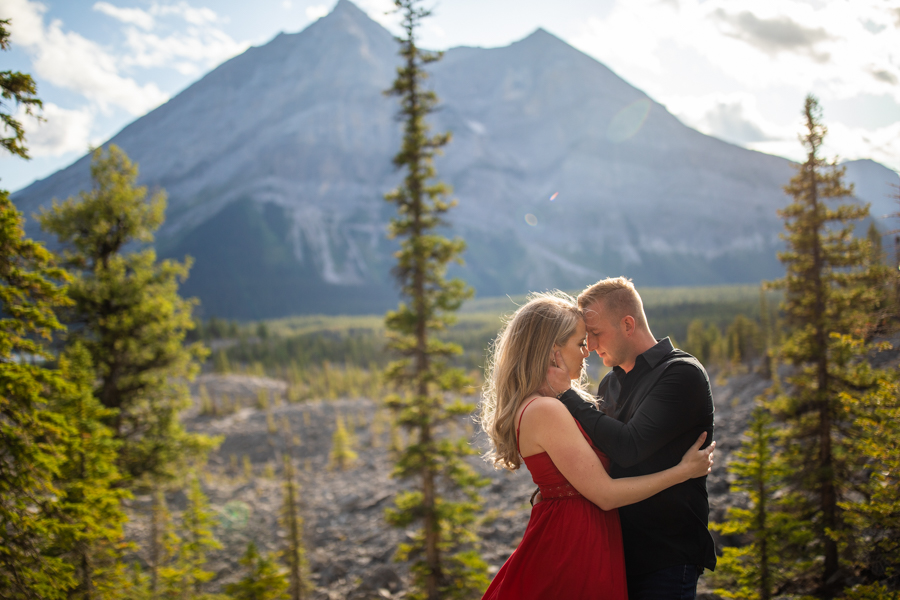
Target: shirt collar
x=658, y=352
x=652, y=356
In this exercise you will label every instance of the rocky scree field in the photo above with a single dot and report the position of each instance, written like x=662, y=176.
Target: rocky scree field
x=349, y=547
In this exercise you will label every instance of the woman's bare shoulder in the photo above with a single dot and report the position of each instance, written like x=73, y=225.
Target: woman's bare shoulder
x=543, y=407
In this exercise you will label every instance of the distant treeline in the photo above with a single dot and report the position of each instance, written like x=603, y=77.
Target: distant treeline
x=303, y=343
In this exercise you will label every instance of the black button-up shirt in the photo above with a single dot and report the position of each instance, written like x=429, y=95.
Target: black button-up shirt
x=650, y=417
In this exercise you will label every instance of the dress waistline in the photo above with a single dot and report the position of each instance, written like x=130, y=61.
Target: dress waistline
x=559, y=492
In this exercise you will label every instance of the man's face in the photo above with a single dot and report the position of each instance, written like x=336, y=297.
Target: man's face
x=604, y=336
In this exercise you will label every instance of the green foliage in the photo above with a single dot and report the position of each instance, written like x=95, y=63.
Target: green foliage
x=832, y=290
x=873, y=515
x=704, y=342
x=765, y=563
x=342, y=455
x=182, y=573
x=33, y=436
x=21, y=90
x=89, y=498
x=444, y=562
x=264, y=579
x=130, y=316
x=744, y=340
x=221, y=364
x=293, y=522
x=216, y=329
x=872, y=591
x=353, y=347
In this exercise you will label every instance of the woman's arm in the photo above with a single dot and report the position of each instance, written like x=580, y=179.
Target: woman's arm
x=551, y=428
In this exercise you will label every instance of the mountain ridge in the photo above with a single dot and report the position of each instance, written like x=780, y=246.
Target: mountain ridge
x=276, y=163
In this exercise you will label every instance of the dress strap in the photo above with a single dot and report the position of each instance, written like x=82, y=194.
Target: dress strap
x=522, y=414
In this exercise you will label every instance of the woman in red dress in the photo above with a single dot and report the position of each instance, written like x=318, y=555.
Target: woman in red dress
x=572, y=547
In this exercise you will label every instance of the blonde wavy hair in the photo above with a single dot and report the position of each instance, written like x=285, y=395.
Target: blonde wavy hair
x=517, y=368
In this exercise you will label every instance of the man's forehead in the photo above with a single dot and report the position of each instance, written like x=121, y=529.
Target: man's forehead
x=594, y=315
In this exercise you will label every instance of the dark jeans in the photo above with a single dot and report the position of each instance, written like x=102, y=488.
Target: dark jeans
x=672, y=583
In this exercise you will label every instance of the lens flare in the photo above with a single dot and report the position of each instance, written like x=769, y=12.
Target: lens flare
x=628, y=121
x=531, y=219
x=553, y=197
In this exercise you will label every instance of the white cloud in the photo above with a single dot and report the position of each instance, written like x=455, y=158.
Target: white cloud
x=844, y=143
x=733, y=117
x=190, y=52
x=194, y=16
x=839, y=47
x=382, y=11
x=709, y=61
x=316, y=12
x=132, y=16
x=61, y=131
x=70, y=61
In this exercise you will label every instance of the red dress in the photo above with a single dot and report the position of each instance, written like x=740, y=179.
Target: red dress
x=571, y=549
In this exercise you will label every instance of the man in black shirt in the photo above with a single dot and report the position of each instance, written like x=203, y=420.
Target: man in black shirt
x=656, y=402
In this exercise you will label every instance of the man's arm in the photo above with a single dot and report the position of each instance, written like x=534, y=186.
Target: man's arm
x=677, y=403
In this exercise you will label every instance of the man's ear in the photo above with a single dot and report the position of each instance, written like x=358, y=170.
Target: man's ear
x=628, y=325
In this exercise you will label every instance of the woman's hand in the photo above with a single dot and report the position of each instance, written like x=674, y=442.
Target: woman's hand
x=697, y=462
x=558, y=379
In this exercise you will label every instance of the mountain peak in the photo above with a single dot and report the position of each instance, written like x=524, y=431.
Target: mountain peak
x=542, y=36
x=348, y=7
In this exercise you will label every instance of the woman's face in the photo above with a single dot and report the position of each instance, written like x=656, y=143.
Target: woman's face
x=574, y=350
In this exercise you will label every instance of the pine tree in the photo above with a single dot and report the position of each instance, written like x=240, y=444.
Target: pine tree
x=743, y=339
x=832, y=288
x=445, y=562
x=159, y=550
x=342, y=454
x=873, y=513
x=21, y=89
x=756, y=570
x=197, y=524
x=89, y=498
x=293, y=522
x=264, y=579
x=181, y=569
x=130, y=316
x=32, y=435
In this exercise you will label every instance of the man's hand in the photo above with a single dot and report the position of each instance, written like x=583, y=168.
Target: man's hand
x=558, y=379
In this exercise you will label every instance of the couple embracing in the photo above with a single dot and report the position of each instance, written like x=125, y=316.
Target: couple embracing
x=621, y=508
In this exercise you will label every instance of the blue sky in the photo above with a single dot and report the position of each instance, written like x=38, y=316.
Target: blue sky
x=737, y=69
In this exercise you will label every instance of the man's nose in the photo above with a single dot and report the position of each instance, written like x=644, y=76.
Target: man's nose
x=591, y=343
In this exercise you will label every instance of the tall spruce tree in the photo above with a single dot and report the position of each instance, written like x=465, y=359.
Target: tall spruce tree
x=445, y=563
x=832, y=288
x=33, y=436
x=760, y=568
x=129, y=316
x=293, y=522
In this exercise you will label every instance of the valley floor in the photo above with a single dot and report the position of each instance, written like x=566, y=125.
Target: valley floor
x=349, y=547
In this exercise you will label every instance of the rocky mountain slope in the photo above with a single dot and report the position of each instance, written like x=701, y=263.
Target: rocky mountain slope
x=276, y=162
x=350, y=549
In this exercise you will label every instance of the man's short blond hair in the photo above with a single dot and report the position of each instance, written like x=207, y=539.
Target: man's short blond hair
x=617, y=298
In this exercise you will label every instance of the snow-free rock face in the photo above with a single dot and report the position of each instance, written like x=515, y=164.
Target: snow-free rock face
x=276, y=163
